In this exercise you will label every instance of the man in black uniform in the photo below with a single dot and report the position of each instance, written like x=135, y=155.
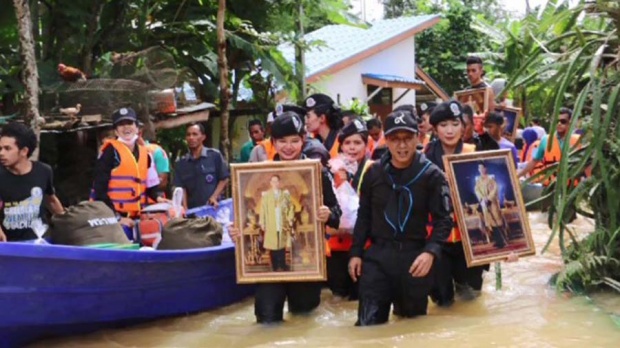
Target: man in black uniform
x=287, y=133
x=397, y=195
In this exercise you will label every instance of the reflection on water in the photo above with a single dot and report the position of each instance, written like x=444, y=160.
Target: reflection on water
x=526, y=313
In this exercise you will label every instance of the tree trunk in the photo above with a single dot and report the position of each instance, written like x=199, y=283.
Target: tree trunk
x=30, y=73
x=35, y=26
x=91, y=28
x=239, y=74
x=528, y=8
x=300, y=70
x=222, y=64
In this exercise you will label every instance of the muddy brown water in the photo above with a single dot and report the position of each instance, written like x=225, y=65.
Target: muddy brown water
x=525, y=313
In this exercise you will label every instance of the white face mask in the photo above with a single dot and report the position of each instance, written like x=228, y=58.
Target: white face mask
x=129, y=142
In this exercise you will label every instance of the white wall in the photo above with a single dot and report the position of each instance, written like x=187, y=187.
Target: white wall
x=397, y=60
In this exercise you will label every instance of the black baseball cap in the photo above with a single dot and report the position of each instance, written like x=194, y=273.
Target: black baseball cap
x=400, y=120
x=124, y=114
x=427, y=108
x=356, y=126
x=317, y=100
x=446, y=111
x=282, y=108
x=494, y=118
x=289, y=123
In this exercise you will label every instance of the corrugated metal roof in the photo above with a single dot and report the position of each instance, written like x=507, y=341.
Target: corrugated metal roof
x=341, y=42
x=394, y=78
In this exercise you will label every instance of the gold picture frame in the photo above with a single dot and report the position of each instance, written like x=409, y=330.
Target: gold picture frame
x=275, y=205
x=477, y=98
x=512, y=115
x=489, y=206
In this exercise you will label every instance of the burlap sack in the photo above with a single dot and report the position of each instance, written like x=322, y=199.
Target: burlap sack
x=182, y=233
x=87, y=223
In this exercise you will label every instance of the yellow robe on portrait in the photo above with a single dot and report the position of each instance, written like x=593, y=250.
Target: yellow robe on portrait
x=270, y=202
x=488, y=196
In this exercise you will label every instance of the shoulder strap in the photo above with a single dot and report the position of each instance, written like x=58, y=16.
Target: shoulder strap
x=367, y=166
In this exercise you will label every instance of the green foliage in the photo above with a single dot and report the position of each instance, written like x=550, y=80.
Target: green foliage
x=359, y=108
x=574, y=54
x=442, y=50
x=398, y=8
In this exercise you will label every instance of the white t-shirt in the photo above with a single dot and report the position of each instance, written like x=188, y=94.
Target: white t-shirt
x=540, y=131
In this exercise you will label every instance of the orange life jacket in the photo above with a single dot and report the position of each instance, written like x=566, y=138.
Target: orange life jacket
x=529, y=155
x=554, y=155
x=378, y=145
x=334, y=151
x=455, y=234
x=372, y=144
x=127, y=186
x=270, y=150
x=343, y=242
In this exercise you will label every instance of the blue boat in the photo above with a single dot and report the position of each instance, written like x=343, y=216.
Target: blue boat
x=52, y=290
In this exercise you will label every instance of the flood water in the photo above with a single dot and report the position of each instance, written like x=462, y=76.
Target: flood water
x=525, y=313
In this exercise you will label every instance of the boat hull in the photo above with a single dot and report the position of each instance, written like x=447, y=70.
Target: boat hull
x=57, y=290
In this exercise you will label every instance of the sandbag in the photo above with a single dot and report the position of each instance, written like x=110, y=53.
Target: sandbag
x=180, y=233
x=87, y=223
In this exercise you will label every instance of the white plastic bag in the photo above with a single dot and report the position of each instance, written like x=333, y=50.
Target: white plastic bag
x=39, y=229
x=349, y=203
x=343, y=162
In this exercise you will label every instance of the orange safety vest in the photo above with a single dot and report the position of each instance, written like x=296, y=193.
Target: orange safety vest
x=554, y=155
x=270, y=150
x=343, y=242
x=528, y=157
x=455, y=234
x=151, y=148
x=378, y=145
x=334, y=151
x=127, y=186
x=372, y=144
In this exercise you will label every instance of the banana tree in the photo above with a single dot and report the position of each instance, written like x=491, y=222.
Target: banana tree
x=580, y=63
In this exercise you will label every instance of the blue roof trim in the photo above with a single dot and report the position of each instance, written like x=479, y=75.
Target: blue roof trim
x=394, y=78
x=337, y=43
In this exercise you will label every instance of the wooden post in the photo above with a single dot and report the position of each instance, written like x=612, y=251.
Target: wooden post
x=30, y=74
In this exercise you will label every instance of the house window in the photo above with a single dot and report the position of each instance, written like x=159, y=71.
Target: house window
x=384, y=97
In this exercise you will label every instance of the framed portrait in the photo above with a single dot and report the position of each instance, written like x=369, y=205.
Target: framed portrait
x=477, y=98
x=488, y=205
x=275, y=205
x=511, y=116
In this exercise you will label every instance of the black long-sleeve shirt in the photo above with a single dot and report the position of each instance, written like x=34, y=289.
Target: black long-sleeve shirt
x=431, y=195
x=330, y=200
x=103, y=171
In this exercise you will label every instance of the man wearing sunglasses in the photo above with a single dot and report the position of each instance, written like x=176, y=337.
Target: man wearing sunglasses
x=553, y=154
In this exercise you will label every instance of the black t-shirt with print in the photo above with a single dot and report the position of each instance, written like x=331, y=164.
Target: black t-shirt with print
x=21, y=199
